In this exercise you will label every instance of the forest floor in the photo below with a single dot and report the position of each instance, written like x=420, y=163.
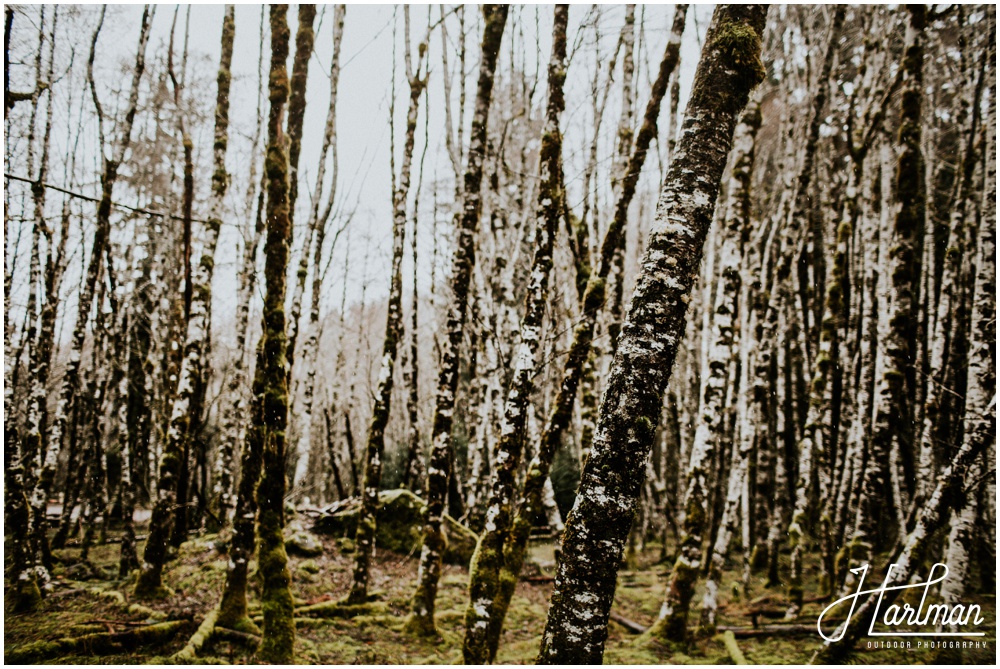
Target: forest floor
x=100, y=607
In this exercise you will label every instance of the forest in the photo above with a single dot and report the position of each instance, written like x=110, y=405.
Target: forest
x=656, y=334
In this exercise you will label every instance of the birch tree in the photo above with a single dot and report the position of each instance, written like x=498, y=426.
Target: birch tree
x=729, y=312
x=318, y=220
x=71, y=377
x=531, y=501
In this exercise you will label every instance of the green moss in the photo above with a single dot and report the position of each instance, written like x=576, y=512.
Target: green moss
x=190, y=651
x=277, y=645
x=23, y=597
x=148, y=590
x=94, y=644
x=339, y=610
x=740, y=44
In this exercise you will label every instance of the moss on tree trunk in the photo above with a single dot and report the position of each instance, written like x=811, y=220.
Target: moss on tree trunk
x=187, y=406
x=421, y=620
x=598, y=525
x=487, y=561
x=269, y=410
x=365, y=536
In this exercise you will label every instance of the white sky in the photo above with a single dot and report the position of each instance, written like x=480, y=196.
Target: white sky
x=362, y=111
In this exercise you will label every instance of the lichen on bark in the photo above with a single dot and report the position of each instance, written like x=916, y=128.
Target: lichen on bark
x=598, y=525
x=421, y=619
x=269, y=408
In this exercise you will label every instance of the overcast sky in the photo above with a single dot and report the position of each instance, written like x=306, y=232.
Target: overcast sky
x=367, y=59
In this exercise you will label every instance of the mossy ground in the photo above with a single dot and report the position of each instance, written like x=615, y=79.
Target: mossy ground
x=377, y=636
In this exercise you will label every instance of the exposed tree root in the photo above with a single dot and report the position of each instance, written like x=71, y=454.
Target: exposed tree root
x=251, y=640
x=728, y=639
x=95, y=644
x=118, y=598
x=337, y=609
x=198, y=639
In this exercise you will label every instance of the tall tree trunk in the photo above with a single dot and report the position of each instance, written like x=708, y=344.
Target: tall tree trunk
x=897, y=348
x=580, y=355
x=304, y=39
x=135, y=440
x=709, y=439
x=233, y=413
x=269, y=410
x=599, y=523
x=488, y=558
x=43, y=324
x=812, y=441
x=942, y=335
x=365, y=537
x=318, y=221
x=421, y=620
x=186, y=411
x=729, y=312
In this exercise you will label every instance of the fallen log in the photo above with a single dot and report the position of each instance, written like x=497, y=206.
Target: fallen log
x=123, y=623
x=105, y=643
x=337, y=609
x=630, y=625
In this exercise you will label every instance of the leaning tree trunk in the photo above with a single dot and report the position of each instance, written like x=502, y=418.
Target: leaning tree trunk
x=421, y=619
x=186, y=409
x=365, y=537
x=597, y=527
x=580, y=358
x=488, y=557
